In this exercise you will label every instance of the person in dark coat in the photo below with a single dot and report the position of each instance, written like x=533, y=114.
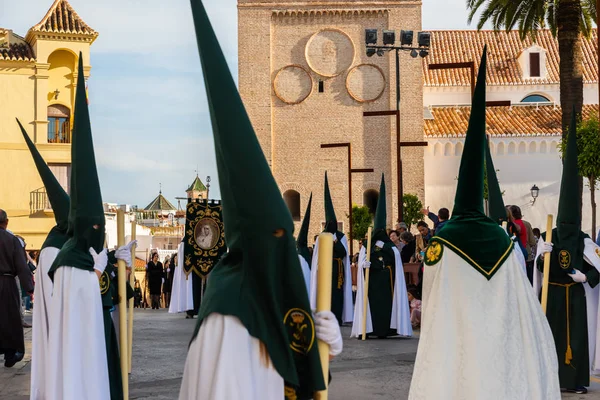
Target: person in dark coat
x=12, y=264
x=168, y=282
x=155, y=280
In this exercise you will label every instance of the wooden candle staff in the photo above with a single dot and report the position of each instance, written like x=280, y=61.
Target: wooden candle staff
x=122, y=274
x=324, y=300
x=546, y=266
x=366, y=288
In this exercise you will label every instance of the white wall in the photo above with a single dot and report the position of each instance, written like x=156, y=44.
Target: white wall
x=517, y=174
x=461, y=95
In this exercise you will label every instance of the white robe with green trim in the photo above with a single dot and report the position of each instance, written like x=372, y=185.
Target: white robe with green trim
x=482, y=339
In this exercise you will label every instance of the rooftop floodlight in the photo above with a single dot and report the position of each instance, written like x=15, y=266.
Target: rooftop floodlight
x=406, y=38
x=370, y=52
x=414, y=53
x=389, y=37
x=370, y=36
x=423, y=53
x=424, y=39
x=380, y=52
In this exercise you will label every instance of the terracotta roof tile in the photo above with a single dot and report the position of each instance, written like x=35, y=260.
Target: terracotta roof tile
x=17, y=52
x=527, y=120
x=14, y=48
x=504, y=49
x=62, y=18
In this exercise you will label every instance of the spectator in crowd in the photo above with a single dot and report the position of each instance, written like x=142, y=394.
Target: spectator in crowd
x=395, y=238
x=598, y=238
x=25, y=297
x=422, y=239
x=438, y=220
x=531, y=250
x=137, y=295
x=408, y=251
x=518, y=220
x=155, y=280
x=401, y=227
x=166, y=285
x=514, y=230
x=415, y=307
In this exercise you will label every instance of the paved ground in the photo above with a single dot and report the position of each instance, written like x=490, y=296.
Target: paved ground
x=371, y=370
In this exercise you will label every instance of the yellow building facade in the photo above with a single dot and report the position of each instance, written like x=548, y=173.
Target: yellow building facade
x=38, y=76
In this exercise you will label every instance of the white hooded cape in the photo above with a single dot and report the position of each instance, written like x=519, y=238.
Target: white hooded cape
x=224, y=362
x=39, y=334
x=400, y=309
x=482, y=339
x=347, y=315
x=77, y=365
x=182, y=293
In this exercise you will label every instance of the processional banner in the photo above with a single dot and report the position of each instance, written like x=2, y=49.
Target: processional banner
x=204, y=241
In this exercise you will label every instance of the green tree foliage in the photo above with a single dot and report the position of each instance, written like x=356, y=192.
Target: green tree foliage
x=588, y=147
x=411, y=211
x=361, y=220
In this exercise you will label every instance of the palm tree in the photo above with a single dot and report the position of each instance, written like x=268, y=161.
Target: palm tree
x=567, y=20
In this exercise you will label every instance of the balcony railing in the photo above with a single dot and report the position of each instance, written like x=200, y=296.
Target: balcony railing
x=59, y=131
x=38, y=201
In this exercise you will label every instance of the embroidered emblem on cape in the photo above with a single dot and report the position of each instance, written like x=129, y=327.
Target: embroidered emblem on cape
x=301, y=330
x=290, y=393
x=597, y=251
x=564, y=259
x=104, y=283
x=434, y=253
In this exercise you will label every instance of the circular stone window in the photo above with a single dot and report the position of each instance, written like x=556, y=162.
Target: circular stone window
x=292, y=84
x=329, y=52
x=365, y=83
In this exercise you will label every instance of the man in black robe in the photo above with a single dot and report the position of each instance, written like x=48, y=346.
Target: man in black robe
x=12, y=264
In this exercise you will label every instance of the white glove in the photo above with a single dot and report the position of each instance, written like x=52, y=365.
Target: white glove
x=124, y=252
x=379, y=244
x=367, y=264
x=578, y=276
x=163, y=280
x=328, y=330
x=168, y=269
x=546, y=247
x=100, y=260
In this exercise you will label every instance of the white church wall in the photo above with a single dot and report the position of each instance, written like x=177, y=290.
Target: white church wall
x=521, y=163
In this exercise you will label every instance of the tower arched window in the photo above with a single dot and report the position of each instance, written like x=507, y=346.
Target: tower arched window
x=292, y=200
x=370, y=200
x=535, y=98
x=59, y=124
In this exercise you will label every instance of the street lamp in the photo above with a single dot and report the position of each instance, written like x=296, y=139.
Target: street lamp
x=389, y=44
x=535, y=192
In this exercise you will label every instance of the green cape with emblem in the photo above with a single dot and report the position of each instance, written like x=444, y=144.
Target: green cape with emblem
x=470, y=233
x=58, y=198
x=86, y=200
x=259, y=280
x=496, y=209
x=302, y=241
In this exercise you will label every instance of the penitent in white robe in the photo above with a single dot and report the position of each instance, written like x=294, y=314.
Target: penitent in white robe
x=39, y=335
x=224, y=363
x=77, y=365
x=182, y=293
x=348, y=311
x=482, y=339
x=305, y=272
x=400, y=309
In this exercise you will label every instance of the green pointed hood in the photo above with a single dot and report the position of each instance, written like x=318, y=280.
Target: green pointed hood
x=259, y=280
x=380, y=223
x=58, y=198
x=302, y=241
x=86, y=199
x=330, y=217
x=470, y=233
x=568, y=238
x=496, y=209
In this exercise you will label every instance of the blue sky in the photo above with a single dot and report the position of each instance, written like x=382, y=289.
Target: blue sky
x=149, y=112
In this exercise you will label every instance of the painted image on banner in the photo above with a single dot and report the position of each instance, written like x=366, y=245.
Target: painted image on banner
x=206, y=233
